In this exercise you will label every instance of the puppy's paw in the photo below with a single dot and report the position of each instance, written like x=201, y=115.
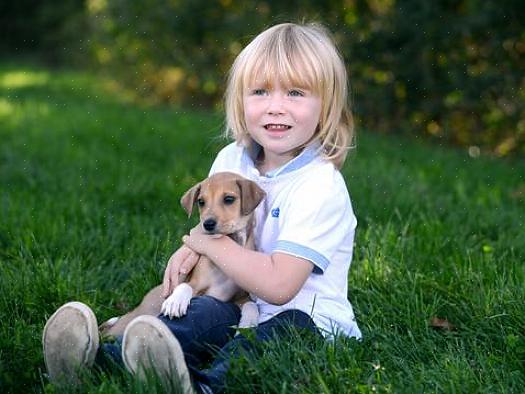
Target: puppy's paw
x=111, y=322
x=249, y=315
x=176, y=305
x=107, y=325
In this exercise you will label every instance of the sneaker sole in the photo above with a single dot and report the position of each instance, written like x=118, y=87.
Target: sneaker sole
x=148, y=344
x=70, y=341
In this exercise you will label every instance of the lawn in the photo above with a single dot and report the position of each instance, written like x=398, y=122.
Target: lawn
x=89, y=190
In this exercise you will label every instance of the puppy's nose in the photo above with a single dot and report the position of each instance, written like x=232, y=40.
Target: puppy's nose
x=209, y=224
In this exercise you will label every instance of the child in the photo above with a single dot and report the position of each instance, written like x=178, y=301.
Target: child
x=286, y=107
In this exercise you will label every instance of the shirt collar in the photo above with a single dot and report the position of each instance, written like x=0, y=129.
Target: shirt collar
x=309, y=153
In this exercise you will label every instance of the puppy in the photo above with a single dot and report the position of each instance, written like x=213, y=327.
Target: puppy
x=226, y=203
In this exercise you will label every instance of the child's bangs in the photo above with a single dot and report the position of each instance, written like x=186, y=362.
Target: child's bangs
x=291, y=68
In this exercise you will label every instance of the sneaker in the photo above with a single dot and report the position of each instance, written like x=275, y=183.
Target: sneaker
x=70, y=341
x=149, y=345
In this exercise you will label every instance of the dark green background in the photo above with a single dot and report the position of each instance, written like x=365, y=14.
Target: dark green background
x=449, y=70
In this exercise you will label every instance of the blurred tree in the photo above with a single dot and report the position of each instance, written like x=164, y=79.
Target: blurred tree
x=448, y=70
x=44, y=26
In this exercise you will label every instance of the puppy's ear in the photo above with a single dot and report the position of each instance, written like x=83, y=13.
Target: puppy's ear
x=251, y=195
x=188, y=199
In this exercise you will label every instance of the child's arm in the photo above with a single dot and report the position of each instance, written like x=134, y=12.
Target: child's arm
x=180, y=263
x=275, y=278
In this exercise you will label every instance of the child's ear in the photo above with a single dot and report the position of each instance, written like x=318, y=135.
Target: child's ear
x=251, y=195
x=188, y=199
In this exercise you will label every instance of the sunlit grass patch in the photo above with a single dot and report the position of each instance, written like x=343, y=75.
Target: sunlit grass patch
x=23, y=79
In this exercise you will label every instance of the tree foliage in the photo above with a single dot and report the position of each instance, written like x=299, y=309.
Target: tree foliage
x=44, y=26
x=449, y=70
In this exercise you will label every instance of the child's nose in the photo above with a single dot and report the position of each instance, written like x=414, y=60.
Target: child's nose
x=275, y=104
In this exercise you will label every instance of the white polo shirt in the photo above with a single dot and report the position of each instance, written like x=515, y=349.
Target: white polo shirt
x=307, y=213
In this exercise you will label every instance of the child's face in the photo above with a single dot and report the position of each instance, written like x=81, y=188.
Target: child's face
x=280, y=119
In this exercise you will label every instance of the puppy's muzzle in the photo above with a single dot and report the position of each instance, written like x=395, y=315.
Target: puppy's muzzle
x=210, y=225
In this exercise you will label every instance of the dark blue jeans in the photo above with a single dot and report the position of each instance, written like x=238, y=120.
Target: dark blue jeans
x=209, y=326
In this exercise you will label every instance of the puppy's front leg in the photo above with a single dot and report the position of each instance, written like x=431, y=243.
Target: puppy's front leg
x=176, y=305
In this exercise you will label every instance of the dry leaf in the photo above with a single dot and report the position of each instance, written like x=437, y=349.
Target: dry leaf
x=441, y=324
x=122, y=306
x=518, y=193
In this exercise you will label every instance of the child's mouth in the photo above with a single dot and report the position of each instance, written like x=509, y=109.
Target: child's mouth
x=277, y=127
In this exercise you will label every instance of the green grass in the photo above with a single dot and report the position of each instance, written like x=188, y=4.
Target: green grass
x=89, y=190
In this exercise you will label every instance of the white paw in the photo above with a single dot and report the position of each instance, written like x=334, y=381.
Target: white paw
x=111, y=322
x=177, y=303
x=249, y=315
x=106, y=326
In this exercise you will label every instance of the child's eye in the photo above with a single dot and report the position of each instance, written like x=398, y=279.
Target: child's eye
x=295, y=93
x=259, y=92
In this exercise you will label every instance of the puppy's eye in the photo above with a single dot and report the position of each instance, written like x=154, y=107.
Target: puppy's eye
x=229, y=200
x=201, y=202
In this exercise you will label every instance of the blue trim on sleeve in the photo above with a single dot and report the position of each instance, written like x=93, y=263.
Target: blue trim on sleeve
x=320, y=262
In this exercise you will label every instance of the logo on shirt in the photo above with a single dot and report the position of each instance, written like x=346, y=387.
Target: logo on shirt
x=275, y=212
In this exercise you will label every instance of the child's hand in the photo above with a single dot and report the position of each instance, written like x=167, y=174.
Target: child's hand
x=199, y=241
x=180, y=263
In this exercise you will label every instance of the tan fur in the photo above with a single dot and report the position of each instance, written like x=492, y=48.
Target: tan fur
x=234, y=219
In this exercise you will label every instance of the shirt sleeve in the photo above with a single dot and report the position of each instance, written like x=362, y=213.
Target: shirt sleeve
x=228, y=159
x=316, y=223
x=218, y=164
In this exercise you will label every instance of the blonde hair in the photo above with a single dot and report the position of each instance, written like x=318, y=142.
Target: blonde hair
x=279, y=52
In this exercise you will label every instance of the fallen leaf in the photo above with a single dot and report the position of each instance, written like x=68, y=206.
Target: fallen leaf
x=122, y=306
x=518, y=193
x=441, y=324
